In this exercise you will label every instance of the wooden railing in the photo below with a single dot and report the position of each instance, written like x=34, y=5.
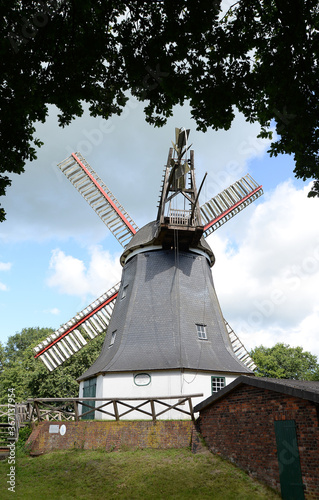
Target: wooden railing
x=115, y=408
x=179, y=217
x=18, y=414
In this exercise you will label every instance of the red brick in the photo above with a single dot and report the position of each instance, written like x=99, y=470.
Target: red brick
x=111, y=435
x=240, y=427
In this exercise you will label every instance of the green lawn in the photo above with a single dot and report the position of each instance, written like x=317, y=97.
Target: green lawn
x=141, y=474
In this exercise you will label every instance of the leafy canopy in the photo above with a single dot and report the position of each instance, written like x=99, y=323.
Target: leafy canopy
x=261, y=57
x=283, y=361
x=30, y=378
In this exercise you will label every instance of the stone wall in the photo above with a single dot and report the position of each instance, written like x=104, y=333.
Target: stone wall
x=240, y=427
x=110, y=435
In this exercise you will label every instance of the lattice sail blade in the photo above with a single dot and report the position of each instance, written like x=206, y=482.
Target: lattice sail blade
x=229, y=202
x=239, y=348
x=99, y=197
x=77, y=332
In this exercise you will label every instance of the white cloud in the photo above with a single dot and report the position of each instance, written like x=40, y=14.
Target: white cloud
x=68, y=274
x=304, y=334
x=71, y=276
x=267, y=282
x=230, y=162
x=5, y=266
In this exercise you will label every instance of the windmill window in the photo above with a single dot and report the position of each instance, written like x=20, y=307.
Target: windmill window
x=142, y=379
x=201, y=331
x=217, y=384
x=112, y=338
x=124, y=292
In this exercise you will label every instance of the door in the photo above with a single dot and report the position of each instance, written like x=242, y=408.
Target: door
x=288, y=460
x=89, y=390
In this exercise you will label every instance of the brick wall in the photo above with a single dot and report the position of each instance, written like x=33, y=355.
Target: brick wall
x=240, y=427
x=111, y=435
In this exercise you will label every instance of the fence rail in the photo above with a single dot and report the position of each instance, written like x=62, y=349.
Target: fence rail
x=115, y=408
x=11, y=419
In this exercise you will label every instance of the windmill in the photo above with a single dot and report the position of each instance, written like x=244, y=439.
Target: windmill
x=165, y=329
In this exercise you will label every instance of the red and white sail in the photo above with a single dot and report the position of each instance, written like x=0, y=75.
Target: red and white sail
x=99, y=197
x=229, y=202
x=239, y=348
x=75, y=334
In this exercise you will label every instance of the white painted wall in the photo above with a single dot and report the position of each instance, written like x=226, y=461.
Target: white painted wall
x=166, y=383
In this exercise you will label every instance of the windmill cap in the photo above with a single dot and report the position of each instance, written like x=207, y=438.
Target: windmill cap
x=148, y=239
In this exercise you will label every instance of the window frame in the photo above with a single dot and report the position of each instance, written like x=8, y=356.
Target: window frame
x=201, y=331
x=135, y=378
x=220, y=378
x=124, y=291
x=112, y=340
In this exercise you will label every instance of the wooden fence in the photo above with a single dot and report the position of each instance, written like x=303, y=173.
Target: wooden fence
x=11, y=419
x=115, y=408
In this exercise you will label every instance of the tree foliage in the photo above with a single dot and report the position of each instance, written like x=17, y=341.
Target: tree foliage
x=30, y=378
x=261, y=57
x=283, y=361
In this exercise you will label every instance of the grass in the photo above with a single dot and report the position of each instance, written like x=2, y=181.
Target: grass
x=141, y=474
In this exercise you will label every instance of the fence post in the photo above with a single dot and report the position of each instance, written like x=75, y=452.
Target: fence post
x=153, y=410
x=36, y=406
x=116, y=411
x=29, y=411
x=191, y=408
x=76, y=411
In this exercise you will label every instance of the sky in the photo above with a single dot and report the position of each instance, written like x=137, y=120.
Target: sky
x=57, y=256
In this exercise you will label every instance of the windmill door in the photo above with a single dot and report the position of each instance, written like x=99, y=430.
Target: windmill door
x=89, y=391
x=288, y=460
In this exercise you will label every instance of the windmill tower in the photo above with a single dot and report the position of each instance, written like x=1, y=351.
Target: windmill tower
x=165, y=330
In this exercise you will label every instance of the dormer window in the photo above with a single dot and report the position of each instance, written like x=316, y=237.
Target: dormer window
x=124, y=292
x=201, y=331
x=112, y=338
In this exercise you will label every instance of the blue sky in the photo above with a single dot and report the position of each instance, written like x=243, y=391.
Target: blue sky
x=56, y=256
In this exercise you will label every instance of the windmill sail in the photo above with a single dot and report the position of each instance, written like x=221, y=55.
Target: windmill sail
x=239, y=348
x=99, y=197
x=75, y=334
x=229, y=202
